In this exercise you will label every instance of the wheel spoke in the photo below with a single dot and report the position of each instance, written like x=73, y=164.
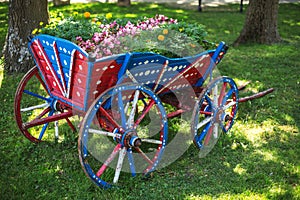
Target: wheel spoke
x=216, y=130
x=215, y=96
x=204, y=122
x=209, y=101
x=229, y=105
x=229, y=93
x=109, y=118
x=152, y=141
x=208, y=135
x=145, y=111
x=133, y=109
x=105, y=133
x=56, y=129
x=131, y=162
x=70, y=124
x=122, y=154
x=35, y=107
x=144, y=156
x=45, y=126
x=222, y=93
x=109, y=160
x=36, y=95
x=122, y=110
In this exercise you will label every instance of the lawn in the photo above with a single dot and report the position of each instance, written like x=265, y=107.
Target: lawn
x=258, y=159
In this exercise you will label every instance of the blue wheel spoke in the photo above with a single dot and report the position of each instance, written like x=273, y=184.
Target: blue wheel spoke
x=228, y=94
x=36, y=95
x=45, y=126
x=131, y=162
x=209, y=100
x=121, y=109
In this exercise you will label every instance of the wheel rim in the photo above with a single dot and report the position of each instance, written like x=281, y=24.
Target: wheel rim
x=37, y=112
x=214, y=113
x=124, y=131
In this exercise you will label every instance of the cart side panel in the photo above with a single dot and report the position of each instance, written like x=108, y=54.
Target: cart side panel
x=90, y=80
x=157, y=71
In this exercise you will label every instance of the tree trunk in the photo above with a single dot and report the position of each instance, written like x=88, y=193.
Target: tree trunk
x=24, y=16
x=261, y=23
x=124, y=3
x=61, y=2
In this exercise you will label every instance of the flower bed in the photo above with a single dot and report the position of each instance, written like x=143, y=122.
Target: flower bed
x=105, y=36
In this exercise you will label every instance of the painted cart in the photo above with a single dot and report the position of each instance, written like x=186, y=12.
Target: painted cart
x=123, y=103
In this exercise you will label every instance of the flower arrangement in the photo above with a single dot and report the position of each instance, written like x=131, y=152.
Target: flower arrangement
x=108, y=36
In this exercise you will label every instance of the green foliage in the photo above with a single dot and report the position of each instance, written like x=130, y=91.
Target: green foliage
x=158, y=34
x=70, y=28
x=258, y=159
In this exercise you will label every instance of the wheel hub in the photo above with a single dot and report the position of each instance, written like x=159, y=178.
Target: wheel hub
x=130, y=139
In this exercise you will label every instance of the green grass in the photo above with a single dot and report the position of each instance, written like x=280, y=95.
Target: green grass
x=258, y=159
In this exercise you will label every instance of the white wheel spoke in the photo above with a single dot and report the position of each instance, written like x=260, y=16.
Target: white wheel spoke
x=205, y=121
x=215, y=96
x=122, y=154
x=105, y=133
x=132, y=112
x=229, y=105
x=35, y=107
x=216, y=130
x=151, y=141
x=56, y=129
